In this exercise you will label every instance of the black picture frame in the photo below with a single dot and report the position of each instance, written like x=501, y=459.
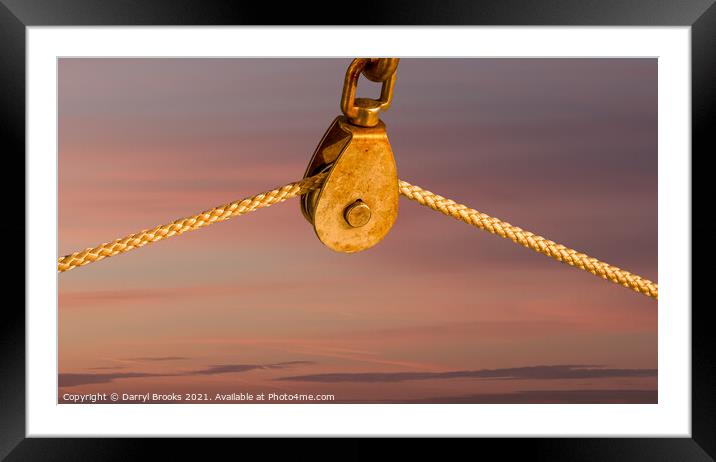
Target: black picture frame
x=16, y=15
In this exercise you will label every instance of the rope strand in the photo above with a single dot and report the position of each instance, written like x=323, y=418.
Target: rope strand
x=423, y=197
x=527, y=239
x=215, y=215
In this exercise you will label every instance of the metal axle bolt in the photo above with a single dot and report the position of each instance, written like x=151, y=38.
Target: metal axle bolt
x=357, y=214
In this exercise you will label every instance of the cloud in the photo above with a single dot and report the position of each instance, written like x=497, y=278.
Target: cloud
x=73, y=380
x=91, y=298
x=545, y=397
x=531, y=372
x=159, y=358
x=132, y=297
x=231, y=368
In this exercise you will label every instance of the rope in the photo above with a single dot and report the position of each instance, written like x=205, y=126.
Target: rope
x=215, y=215
x=528, y=239
x=416, y=193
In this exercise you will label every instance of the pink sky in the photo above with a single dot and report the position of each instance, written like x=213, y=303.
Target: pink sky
x=566, y=148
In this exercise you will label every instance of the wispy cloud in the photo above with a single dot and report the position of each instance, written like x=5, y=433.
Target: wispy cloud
x=131, y=297
x=159, y=358
x=73, y=380
x=545, y=397
x=531, y=372
x=230, y=368
x=106, y=368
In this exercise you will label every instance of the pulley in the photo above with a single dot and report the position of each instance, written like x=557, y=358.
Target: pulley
x=358, y=202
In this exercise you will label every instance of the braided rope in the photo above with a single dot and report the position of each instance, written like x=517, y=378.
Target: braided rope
x=215, y=215
x=416, y=193
x=527, y=239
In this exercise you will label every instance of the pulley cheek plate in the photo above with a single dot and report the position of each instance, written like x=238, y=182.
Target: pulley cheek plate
x=360, y=168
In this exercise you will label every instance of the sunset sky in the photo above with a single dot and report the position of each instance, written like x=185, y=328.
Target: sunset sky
x=437, y=312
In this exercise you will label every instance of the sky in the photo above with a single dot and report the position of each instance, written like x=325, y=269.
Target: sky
x=438, y=312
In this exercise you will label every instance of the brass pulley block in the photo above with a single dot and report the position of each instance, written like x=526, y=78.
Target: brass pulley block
x=358, y=202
